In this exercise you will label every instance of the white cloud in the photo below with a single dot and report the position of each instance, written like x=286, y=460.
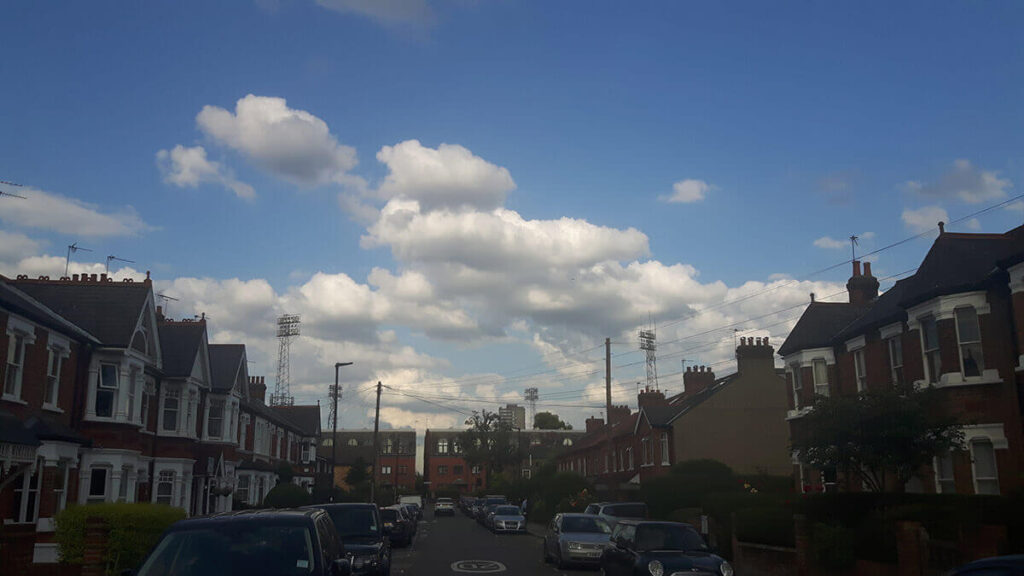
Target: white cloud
x=973, y=224
x=448, y=176
x=189, y=167
x=1017, y=206
x=289, y=143
x=924, y=218
x=964, y=182
x=687, y=192
x=49, y=211
x=384, y=11
x=830, y=243
x=15, y=246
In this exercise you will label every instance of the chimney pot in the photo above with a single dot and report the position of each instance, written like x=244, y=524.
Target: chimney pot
x=812, y=297
x=92, y=278
x=867, y=268
x=74, y=277
x=766, y=340
x=942, y=227
x=103, y=277
x=856, y=267
x=743, y=340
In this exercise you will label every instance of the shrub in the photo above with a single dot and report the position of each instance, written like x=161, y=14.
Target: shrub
x=286, y=496
x=833, y=547
x=134, y=530
x=770, y=525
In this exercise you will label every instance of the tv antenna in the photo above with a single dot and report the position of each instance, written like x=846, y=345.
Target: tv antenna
x=853, y=248
x=2, y=193
x=72, y=248
x=167, y=302
x=112, y=257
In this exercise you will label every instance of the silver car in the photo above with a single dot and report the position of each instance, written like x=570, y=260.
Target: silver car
x=506, y=518
x=576, y=539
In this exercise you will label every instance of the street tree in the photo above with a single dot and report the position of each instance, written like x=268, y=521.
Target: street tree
x=875, y=435
x=549, y=421
x=489, y=443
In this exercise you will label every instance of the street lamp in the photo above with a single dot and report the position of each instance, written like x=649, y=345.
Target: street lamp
x=334, y=435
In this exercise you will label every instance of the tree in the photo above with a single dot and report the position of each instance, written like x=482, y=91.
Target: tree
x=358, y=474
x=287, y=496
x=876, y=434
x=489, y=443
x=549, y=421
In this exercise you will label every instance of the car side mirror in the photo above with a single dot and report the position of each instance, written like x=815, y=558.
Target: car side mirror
x=341, y=567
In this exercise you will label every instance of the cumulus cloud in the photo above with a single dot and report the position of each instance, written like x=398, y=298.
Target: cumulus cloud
x=57, y=213
x=829, y=243
x=687, y=192
x=14, y=246
x=384, y=11
x=924, y=218
x=189, y=167
x=964, y=182
x=448, y=176
x=289, y=143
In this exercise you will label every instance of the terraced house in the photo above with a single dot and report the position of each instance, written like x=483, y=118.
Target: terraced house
x=106, y=400
x=956, y=325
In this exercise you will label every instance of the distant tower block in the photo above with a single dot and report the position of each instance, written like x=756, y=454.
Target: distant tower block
x=531, y=395
x=648, y=343
x=287, y=329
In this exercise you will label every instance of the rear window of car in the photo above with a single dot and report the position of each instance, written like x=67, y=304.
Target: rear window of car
x=389, y=515
x=627, y=510
x=240, y=549
x=506, y=511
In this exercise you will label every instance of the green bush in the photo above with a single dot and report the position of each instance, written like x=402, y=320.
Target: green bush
x=833, y=547
x=287, y=496
x=770, y=525
x=134, y=530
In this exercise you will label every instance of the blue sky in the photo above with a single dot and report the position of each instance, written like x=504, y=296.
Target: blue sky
x=784, y=124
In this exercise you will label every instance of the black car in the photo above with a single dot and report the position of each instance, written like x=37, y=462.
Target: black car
x=362, y=534
x=659, y=549
x=413, y=512
x=997, y=566
x=396, y=525
x=279, y=542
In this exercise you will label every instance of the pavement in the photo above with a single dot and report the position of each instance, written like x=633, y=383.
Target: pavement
x=457, y=546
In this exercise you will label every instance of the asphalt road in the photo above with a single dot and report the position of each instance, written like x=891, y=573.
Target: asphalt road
x=457, y=545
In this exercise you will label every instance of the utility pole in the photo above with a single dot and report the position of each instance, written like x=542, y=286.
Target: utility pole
x=608, y=379
x=376, y=453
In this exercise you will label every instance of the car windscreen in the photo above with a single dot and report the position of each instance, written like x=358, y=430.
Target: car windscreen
x=668, y=537
x=501, y=500
x=506, y=511
x=354, y=521
x=444, y=500
x=627, y=510
x=389, y=515
x=584, y=524
x=243, y=549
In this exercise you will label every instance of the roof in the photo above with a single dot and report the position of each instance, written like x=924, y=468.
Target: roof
x=659, y=416
x=179, y=344
x=107, y=310
x=32, y=431
x=225, y=362
x=13, y=431
x=305, y=418
x=820, y=322
x=275, y=516
x=13, y=299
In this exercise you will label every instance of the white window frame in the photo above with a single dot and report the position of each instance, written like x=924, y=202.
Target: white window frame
x=14, y=371
x=385, y=470
x=133, y=382
x=894, y=346
x=798, y=384
x=170, y=393
x=164, y=477
x=243, y=487
x=629, y=457
x=939, y=478
x=665, y=456
x=819, y=387
x=860, y=370
x=54, y=367
x=103, y=387
x=243, y=430
x=932, y=373
x=24, y=492
x=974, y=442
x=442, y=446
x=961, y=343
x=95, y=498
x=215, y=403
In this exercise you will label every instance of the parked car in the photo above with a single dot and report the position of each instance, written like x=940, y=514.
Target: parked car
x=413, y=510
x=641, y=548
x=996, y=566
x=477, y=507
x=362, y=535
x=396, y=525
x=249, y=542
x=612, y=512
x=410, y=515
x=411, y=499
x=444, y=506
x=486, y=511
x=506, y=518
x=576, y=539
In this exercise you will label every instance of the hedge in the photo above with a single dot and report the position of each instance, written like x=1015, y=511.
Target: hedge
x=134, y=530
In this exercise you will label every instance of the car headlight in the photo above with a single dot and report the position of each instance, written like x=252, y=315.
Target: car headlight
x=575, y=546
x=726, y=569
x=655, y=568
x=360, y=562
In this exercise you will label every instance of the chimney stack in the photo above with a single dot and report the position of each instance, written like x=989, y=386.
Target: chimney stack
x=863, y=288
x=697, y=379
x=648, y=397
x=257, y=389
x=594, y=424
x=754, y=354
x=618, y=413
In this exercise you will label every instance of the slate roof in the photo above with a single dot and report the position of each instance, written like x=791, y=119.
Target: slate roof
x=13, y=431
x=820, y=322
x=305, y=418
x=886, y=310
x=107, y=310
x=14, y=300
x=225, y=362
x=35, y=429
x=179, y=344
x=659, y=416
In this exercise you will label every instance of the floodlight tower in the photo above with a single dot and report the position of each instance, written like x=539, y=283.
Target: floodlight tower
x=531, y=395
x=287, y=328
x=648, y=343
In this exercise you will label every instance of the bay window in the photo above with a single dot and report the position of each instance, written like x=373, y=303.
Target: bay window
x=215, y=422
x=895, y=359
x=820, y=377
x=972, y=360
x=172, y=408
x=106, y=391
x=98, y=480
x=930, y=345
x=242, y=492
x=26, y=494
x=165, y=487
x=15, y=366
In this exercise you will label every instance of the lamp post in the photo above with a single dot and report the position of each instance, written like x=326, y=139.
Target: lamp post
x=334, y=434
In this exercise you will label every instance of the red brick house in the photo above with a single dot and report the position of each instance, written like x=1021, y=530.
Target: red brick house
x=394, y=465
x=106, y=400
x=955, y=325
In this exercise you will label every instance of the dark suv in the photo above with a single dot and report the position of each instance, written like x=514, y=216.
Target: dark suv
x=279, y=542
x=362, y=533
x=657, y=548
